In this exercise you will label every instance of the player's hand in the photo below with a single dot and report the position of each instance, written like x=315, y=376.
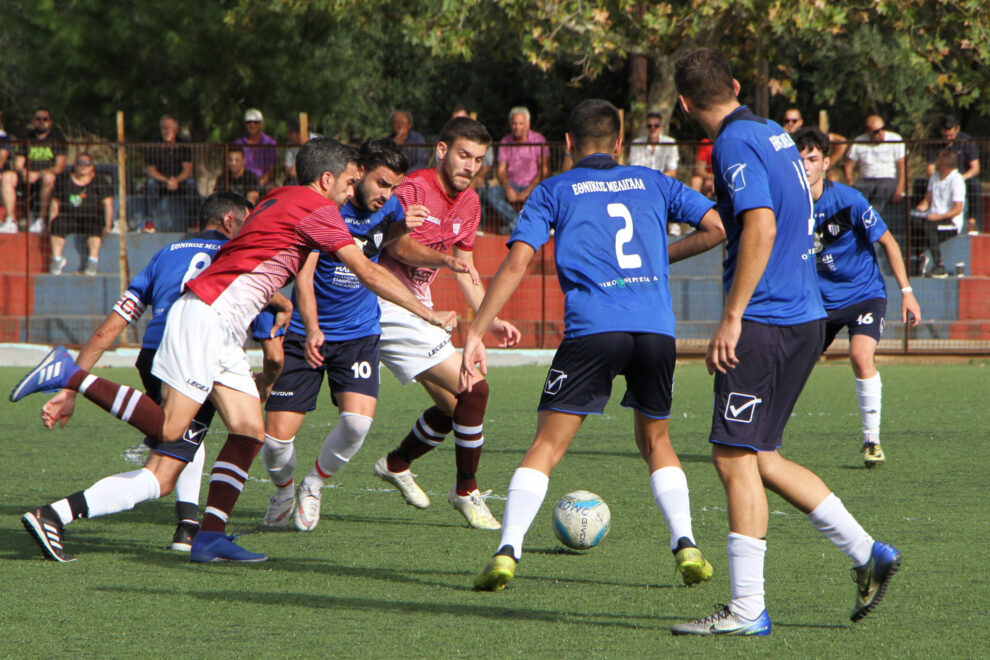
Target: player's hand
x=721, y=353
x=314, y=342
x=910, y=309
x=264, y=386
x=416, y=215
x=463, y=266
x=506, y=333
x=445, y=320
x=282, y=318
x=474, y=353
x=58, y=409
x=510, y=194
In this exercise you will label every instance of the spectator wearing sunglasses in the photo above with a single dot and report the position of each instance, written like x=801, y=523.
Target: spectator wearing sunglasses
x=793, y=120
x=879, y=155
x=40, y=161
x=656, y=150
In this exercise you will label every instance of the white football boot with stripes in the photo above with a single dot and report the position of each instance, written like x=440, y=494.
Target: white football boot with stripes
x=51, y=375
x=43, y=524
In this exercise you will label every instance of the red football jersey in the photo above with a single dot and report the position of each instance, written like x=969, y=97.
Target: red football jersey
x=453, y=221
x=280, y=233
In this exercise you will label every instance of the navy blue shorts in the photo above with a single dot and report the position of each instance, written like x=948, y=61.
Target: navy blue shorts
x=185, y=448
x=580, y=378
x=862, y=318
x=350, y=366
x=754, y=401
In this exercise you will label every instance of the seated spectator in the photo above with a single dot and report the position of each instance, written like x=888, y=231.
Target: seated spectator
x=170, y=176
x=295, y=138
x=523, y=161
x=82, y=204
x=413, y=144
x=39, y=167
x=968, y=164
x=237, y=178
x=940, y=215
x=260, y=154
x=6, y=148
x=656, y=150
x=703, y=178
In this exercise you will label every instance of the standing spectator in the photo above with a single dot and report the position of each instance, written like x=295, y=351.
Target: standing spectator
x=793, y=121
x=941, y=210
x=880, y=156
x=413, y=144
x=170, y=173
x=239, y=179
x=650, y=151
x=523, y=161
x=968, y=165
x=262, y=157
x=44, y=161
x=83, y=204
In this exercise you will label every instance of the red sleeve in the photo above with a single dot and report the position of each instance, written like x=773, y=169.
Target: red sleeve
x=472, y=218
x=324, y=230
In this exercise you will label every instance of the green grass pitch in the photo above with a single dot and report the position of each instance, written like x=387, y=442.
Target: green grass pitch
x=378, y=579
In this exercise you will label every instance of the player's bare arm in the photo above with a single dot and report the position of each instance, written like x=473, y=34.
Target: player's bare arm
x=60, y=407
x=506, y=281
x=709, y=233
x=385, y=284
x=506, y=333
x=306, y=301
x=406, y=249
x=283, y=312
x=910, y=309
x=759, y=229
x=273, y=357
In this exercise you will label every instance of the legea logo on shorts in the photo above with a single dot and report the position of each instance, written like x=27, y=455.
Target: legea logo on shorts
x=198, y=386
x=741, y=407
x=555, y=380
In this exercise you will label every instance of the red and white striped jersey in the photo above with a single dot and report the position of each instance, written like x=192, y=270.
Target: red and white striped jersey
x=284, y=228
x=453, y=221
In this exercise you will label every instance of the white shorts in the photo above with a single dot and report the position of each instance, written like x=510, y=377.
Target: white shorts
x=409, y=345
x=198, y=350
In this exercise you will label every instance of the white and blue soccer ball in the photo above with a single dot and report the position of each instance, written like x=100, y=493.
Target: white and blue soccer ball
x=581, y=520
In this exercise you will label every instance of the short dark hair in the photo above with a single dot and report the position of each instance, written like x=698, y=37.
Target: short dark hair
x=44, y=109
x=235, y=148
x=594, y=122
x=947, y=122
x=382, y=151
x=323, y=154
x=466, y=128
x=219, y=204
x=705, y=77
x=654, y=115
x=809, y=137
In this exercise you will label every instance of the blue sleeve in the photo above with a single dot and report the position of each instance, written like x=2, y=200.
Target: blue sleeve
x=261, y=327
x=143, y=284
x=535, y=219
x=740, y=172
x=685, y=204
x=395, y=211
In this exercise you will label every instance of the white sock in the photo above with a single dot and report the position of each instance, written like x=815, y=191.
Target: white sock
x=868, y=394
x=831, y=519
x=280, y=462
x=338, y=448
x=746, y=575
x=187, y=486
x=63, y=510
x=121, y=492
x=527, y=489
x=670, y=490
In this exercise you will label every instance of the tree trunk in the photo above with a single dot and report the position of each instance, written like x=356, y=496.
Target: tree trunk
x=662, y=95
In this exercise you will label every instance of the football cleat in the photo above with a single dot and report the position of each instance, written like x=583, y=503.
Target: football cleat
x=472, y=506
x=216, y=546
x=51, y=375
x=873, y=577
x=872, y=454
x=308, y=509
x=404, y=482
x=724, y=622
x=279, y=511
x=498, y=572
x=692, y=566
x=43, y=524
x=183, y=538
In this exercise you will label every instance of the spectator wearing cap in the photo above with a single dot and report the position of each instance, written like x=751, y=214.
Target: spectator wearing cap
x=968, y=164
x=260, y=155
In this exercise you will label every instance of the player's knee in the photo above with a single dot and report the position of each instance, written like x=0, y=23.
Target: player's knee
x=354, y=429
x=477, y=396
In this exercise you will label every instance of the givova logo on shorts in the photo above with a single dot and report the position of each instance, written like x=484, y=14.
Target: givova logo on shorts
x=741, y=407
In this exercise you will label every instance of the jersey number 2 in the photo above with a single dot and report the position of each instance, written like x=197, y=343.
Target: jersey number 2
x=623, y=236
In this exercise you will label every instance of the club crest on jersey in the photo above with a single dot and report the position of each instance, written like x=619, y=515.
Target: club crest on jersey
x=555, y=380
x=741, y=407
x=834, y=229
x=378, y=238
x=734, y=177
x=456, y=226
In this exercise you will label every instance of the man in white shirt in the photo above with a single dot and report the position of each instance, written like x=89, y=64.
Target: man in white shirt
x=940, y=214
x=658, y=152
x=880, y=156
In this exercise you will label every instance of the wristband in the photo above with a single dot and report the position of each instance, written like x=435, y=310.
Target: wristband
x=907, y=289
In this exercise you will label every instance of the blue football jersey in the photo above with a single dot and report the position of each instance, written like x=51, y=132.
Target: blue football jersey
x=846, y=227
x=345, y=308
x=160, y=283
x=756, y=165
x=610, y=242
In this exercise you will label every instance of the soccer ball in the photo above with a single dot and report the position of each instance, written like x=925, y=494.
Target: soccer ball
x=581, y=520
